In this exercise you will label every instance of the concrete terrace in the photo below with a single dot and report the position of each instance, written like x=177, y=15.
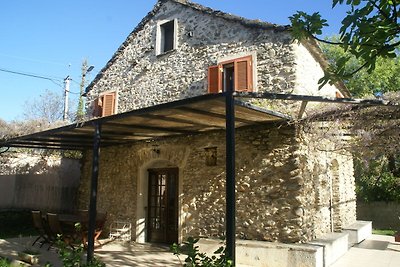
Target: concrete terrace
x=376, y=251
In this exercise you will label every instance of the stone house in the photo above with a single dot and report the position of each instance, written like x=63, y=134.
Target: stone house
x=290, y=187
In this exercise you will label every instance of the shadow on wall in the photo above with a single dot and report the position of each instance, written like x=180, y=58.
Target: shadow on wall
x=43, y=186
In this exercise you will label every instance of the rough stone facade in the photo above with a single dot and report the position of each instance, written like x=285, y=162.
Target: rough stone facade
x=282, y=193
x=141, y=78
x=287, y=189
x=330, y=168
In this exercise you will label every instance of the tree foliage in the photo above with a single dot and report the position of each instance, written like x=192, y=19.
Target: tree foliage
x=383, y=79
x=378, y=179
x=369, y=31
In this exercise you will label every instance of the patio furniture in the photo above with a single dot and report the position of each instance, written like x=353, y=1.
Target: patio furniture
x=120, y=230
x=57, y=230
x=100, y=221
x=40, y=227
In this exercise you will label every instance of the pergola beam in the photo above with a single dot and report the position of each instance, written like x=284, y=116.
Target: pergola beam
x=309, y=98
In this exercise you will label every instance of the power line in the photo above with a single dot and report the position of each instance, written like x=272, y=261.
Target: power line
x=57, y=82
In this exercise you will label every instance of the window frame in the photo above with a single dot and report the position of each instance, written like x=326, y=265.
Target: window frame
x=160, y=37
x=216, y=72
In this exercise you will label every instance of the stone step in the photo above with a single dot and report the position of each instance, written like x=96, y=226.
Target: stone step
x=271, y=254
x=358, y=231
x=334, y=245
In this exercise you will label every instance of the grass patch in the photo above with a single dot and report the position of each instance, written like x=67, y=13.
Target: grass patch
x=384, y=232
x=15, y=224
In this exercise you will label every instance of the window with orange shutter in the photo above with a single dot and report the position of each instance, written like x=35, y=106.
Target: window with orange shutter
x=234, y=75
x=104, y=105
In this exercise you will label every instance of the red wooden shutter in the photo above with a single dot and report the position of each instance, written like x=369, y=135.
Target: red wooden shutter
x=243, y=74
x=214, y=80
x=108, y=104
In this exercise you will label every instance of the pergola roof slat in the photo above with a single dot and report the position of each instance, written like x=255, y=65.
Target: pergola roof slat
x=182, y=117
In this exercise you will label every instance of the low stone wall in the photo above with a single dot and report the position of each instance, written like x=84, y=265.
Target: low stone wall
x=384, y=215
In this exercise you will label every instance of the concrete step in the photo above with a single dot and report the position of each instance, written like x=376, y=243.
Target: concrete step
x=358, y=231
x=269, y=254
x=334, y=245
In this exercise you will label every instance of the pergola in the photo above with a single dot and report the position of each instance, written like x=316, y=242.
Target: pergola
x=183, y=117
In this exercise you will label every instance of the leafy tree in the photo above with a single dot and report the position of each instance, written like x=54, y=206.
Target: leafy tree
x=369, y=31
x=378, y=179
x=48, y=106
x=80, y=112
x=384, y=78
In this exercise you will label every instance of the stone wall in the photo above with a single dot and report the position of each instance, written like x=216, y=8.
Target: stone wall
x=332, y=199
x=141, y=78
x=384, y=215
x=286, y=189
x=276, y=192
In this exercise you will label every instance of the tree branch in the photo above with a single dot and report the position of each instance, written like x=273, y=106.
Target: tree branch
x=384, y=14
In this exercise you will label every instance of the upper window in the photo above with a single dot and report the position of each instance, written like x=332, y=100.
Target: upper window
x=233, y=75
x=104, y=105
x=166, y=36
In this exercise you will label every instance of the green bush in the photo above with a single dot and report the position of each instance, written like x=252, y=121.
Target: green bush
x=4, y=262
x=194, y=258
x=376, y=181
x=15, y=224
x=74, y=257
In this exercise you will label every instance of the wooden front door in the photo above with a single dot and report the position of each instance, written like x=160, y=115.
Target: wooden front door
x=163, y=206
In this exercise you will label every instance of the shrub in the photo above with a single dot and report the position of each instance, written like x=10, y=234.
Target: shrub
x=195, y=258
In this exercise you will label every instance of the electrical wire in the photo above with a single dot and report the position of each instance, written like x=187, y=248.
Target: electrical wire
x=57, y=82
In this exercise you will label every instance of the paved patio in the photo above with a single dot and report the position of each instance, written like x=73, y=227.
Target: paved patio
x=112, y=253
x=377, y=251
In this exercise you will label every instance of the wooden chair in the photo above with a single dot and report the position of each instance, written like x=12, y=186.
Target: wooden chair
x=40, y=227
x=57, y=231
x=100, y=221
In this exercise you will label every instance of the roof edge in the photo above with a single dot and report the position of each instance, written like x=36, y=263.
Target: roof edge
x=243, y=21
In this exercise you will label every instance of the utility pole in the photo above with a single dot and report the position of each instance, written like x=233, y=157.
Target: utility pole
x=66, y=94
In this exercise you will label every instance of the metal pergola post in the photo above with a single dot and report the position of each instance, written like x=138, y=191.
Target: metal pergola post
x=230, y=220
x=93, y=191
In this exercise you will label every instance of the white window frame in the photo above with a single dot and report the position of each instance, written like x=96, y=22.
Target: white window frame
x=160, y=35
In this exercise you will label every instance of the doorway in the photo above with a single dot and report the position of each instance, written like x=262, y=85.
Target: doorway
x=162, y=221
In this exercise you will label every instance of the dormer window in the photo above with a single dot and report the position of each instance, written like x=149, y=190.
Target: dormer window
x=166, y=36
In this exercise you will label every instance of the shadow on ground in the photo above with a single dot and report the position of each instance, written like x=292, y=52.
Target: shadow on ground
x=111, y=252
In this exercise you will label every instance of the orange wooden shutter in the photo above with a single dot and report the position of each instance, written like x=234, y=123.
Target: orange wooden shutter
x=108, y=104
x=214, y=80
x=243, y=74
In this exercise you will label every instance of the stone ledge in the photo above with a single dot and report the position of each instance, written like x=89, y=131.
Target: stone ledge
x=358, y=231
x=263, y=253
x=334, y=245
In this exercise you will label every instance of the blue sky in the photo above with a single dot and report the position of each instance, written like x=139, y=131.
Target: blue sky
x=51, y=38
